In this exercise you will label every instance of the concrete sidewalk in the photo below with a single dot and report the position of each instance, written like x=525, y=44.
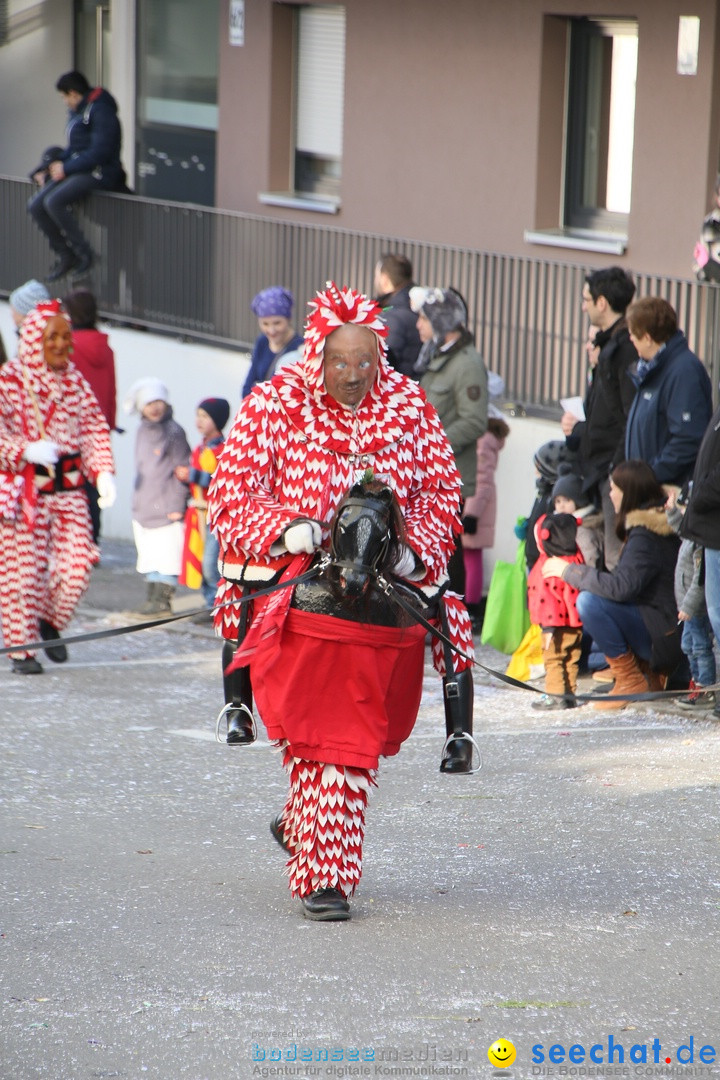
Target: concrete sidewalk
x=566, y=895
x=116, y=587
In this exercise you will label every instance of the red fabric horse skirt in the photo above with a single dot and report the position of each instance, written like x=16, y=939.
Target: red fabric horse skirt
x=341, y=692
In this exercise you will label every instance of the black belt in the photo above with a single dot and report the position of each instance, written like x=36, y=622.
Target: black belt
x=68, y=476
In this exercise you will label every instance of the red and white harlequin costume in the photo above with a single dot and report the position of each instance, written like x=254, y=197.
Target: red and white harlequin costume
x=292, y=453
x=45, y=531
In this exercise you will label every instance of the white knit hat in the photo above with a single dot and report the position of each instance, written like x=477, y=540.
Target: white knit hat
x=142, y=392
x=28, y=296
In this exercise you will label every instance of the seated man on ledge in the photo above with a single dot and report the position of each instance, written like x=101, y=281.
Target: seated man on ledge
x=90, y=162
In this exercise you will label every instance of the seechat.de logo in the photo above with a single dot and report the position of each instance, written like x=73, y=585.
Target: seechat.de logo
x=614, y=1053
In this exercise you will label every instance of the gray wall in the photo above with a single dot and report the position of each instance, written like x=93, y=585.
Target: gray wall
x=40, y=48
x=32, y=114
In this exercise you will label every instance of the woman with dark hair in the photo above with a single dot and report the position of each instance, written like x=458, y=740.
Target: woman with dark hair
x=630, y=612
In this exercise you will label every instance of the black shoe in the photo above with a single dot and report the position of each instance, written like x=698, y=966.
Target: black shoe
x=66, y=262
x=27, y=666
x=325, y=905
x=457, y=757
x=278, y=832
x=58, y=654
x=548, y=702
x=203, y=618
x=240, y=727
x=477, y=615
x=83, y=263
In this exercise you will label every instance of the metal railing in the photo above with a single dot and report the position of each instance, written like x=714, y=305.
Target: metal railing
x=193, y=270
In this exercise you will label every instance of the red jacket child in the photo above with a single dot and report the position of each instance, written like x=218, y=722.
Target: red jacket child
x=551, y=602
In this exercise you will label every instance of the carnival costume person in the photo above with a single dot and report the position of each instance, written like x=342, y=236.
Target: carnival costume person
x=53, y=436
x=298, y=443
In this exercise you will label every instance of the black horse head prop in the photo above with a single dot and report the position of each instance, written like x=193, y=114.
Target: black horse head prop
x=366, y=537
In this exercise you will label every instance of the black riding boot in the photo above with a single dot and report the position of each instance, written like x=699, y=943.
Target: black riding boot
x=238, y=700
x=458, y=698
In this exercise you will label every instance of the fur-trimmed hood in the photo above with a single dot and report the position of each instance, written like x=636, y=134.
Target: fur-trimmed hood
x=654, y=519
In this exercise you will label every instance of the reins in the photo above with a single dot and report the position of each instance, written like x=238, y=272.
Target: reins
x=387, y=586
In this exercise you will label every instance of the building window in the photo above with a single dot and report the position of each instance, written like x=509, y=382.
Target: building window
x=92, y=40
x=600, y=116
x=585, y=135
x=177, y=99
x=319, y=99
x=307, y=103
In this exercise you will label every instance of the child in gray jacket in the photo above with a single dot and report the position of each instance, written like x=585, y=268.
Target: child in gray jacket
x=697, y=635
x=162, y=454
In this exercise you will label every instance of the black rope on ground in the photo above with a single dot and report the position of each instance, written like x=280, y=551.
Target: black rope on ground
x=391, y=591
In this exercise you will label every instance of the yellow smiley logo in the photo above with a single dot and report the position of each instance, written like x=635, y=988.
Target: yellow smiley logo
x=501, y=1053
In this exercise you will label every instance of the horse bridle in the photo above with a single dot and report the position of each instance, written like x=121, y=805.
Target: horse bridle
x=356, y=565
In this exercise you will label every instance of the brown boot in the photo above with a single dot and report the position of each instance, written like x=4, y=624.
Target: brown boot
x=628, y=680
x=656, y=680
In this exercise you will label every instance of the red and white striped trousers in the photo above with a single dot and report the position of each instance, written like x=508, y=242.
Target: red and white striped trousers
x=44, y=569
x=323, y=824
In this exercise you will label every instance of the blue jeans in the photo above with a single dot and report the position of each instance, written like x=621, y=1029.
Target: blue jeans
x=210, y=572
x=712, y=589
x=615, y=628
x=697, y=644
x=51, y=211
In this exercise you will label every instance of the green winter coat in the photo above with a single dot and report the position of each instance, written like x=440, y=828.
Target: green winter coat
x=456, y=384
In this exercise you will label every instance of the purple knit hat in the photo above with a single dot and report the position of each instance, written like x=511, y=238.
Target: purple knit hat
x=272, y=301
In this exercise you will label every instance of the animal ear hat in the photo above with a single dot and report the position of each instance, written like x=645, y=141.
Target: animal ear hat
x=444, y=309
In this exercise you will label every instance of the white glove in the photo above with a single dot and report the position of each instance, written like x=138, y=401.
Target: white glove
x=305, y=536
x=107, y=490
x=43, y=452
x=406, y=563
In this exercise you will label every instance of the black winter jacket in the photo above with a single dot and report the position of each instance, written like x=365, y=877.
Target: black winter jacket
x=94, y=140
x=403, y=339
x=599, y=439
x=701, y=521
x=645, y=577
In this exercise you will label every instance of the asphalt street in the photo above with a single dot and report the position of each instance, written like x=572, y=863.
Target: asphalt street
x=567, y=896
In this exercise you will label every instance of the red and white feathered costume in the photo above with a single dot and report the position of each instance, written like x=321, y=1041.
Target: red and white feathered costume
x=293, y=452
x=45, y=532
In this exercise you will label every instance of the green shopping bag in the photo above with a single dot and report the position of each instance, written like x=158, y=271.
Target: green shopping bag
x=507, y=619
